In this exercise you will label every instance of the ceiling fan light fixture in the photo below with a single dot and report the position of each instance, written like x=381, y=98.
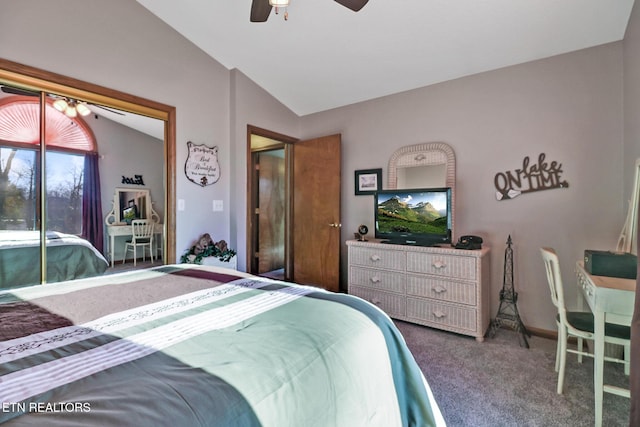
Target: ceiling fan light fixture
x=279, y=4
x=82, y=109
x=71, y=111
x=60, y=105
x=71, y=107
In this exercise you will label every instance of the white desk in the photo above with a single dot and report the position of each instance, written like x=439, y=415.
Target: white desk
x=611, y=300
x=114, y=230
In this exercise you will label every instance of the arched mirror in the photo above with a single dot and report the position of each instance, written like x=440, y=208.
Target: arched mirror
x=429, y=165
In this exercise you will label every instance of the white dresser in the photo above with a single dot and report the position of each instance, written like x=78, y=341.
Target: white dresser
x=444, y=288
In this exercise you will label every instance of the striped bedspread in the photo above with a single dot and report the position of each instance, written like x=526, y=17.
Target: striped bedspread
x=202, y=346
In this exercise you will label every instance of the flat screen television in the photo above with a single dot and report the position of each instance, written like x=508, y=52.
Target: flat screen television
x=419, y=216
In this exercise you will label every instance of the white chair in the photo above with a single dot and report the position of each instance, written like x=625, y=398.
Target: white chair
x=141, y=236
x=576, y=323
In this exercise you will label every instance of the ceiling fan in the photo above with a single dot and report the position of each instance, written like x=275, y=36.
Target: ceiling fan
x=77, y=105
x=260, y=9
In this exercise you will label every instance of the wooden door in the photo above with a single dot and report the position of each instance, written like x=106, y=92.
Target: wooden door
x=316, y=212
x=271, y=208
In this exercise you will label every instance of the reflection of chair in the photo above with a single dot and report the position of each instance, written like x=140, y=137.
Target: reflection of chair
x=141, y=236
x=576, y=323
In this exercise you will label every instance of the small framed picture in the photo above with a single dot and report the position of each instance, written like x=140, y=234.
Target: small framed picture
x=368, y=181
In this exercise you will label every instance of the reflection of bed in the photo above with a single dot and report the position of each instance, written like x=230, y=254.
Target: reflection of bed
x=68, y=257
x=195, y=345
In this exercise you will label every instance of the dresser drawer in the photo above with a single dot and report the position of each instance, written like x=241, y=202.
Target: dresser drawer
x=384, y=280
x=370, y=257
x=441, y=289
x=441, y=314
x=459, y=267
x=392, y=304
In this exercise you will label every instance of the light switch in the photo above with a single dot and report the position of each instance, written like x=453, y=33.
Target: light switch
x=180, y=204
x=217, y=205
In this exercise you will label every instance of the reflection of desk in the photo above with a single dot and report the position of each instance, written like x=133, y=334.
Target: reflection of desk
x=611, y=300
x=125, y=230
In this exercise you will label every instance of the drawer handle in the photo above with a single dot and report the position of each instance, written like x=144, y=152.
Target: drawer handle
x=375, y=279
x=375, y=258
x=439, y=265
x=439, y=314
x=439, y=289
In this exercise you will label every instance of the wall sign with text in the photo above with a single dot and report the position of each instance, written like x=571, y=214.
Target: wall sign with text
x=530, y=177
x=202, y=166
x=136, y=180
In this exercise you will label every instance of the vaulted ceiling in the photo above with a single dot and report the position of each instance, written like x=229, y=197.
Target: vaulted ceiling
x=326, y=56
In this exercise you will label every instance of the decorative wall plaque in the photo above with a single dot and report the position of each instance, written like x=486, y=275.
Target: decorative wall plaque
x=531, y=177
x=136, y=180
x=202, y=166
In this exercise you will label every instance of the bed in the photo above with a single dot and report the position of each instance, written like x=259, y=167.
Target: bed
x=193, y=345
x=68, y=257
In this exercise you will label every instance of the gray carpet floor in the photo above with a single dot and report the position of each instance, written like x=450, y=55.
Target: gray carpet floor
x=499, y=383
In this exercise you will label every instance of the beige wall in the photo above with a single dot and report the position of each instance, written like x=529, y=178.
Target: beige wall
x=568, y=107
x=631, y=98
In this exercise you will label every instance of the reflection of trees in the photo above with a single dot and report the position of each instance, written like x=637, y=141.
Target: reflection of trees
x=64, y=204
x=18, y=196
x=12, y=196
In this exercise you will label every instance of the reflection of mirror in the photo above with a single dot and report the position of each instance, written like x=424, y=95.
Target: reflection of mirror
x=130, y=204
x=424, y=166
x=627, y=242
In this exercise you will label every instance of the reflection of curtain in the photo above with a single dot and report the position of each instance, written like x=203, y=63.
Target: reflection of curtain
x=91, y=203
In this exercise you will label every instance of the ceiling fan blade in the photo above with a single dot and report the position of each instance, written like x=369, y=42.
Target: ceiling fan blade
x=17, y=91
x=260, y=10
x=354, y=5
x=109, y=109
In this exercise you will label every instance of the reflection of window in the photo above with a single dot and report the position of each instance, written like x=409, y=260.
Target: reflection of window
x=64, y=192
x=18, y=195
x=129, y=214
x=17, y=189
x=67, y=140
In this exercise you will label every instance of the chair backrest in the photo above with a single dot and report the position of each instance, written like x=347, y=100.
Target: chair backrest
x=554, y=278
x=141, y=229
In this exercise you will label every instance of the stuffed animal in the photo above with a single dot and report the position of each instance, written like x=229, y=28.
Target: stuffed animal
x=222, y=246
x=203, y=243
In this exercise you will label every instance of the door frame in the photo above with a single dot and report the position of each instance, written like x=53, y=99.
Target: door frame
x=280, y=141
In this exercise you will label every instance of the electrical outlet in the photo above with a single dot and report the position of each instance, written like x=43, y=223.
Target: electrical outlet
x=217, y=206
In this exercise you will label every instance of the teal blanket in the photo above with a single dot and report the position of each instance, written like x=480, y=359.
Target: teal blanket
x=190, y=346
x=68, y=257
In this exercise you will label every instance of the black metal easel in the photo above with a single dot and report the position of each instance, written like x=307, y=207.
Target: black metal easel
x=508, y=311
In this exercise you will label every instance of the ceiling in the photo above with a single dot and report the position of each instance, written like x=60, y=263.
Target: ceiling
x=326, y=56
